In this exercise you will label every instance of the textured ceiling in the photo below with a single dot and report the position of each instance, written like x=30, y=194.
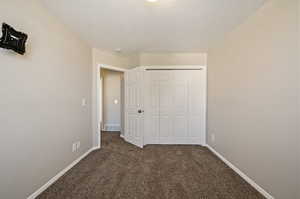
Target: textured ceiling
x=164, y=26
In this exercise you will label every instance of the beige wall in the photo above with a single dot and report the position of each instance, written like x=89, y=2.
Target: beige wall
x=253, y=99
x=148, y=59
x=298, y=138
x=115, y=59
x=41, y=113
x=111, y=91
x=128, y=61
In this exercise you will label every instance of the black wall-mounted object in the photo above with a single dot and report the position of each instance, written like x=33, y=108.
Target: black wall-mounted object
x=13, y=40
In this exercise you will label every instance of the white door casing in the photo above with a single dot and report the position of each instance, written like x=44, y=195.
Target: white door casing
x=97, y=101
x=134, y=106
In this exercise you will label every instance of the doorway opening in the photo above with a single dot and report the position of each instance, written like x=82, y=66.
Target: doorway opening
x=110, y=101
x=112, y=119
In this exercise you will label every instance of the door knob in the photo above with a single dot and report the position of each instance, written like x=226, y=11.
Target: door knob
x=140, y=111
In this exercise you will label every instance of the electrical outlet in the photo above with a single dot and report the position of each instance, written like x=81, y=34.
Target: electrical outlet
x=78, y=145
x=74, y=147
x=213, y=137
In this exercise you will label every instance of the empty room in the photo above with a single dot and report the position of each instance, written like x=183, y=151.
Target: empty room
x=150, y=99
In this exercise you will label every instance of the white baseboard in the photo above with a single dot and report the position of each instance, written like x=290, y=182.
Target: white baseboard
x=55, y=178
x=243, y=175
x=122, y=136
x=112, y=127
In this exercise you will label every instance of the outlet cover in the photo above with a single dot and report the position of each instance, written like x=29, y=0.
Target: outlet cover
x=78, y=145
x=213, y=137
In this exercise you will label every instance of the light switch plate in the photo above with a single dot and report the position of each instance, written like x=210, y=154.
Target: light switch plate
x=83, y=102
x=74, y=147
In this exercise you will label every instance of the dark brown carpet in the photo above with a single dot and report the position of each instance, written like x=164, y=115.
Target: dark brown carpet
x=121, y=170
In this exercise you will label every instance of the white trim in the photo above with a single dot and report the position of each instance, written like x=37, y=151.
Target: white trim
x=176, y=67
x=97, y=137
x=112, y=127
x=111, y=68
x=95, y=148
x=243, y=175
x=61, y=173
x=122, y=136
x=205, y=105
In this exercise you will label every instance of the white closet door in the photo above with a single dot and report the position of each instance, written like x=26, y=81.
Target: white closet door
x=151, y=135
x=175, y=112
x=181, y=107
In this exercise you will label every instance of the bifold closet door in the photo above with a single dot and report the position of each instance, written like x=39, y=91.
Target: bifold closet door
x=175, y=107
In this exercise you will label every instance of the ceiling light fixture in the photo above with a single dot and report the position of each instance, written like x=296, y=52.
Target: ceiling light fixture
x=152, y=1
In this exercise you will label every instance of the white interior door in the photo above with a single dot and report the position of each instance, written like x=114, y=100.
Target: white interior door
x=175, y=107
x=134, y=106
